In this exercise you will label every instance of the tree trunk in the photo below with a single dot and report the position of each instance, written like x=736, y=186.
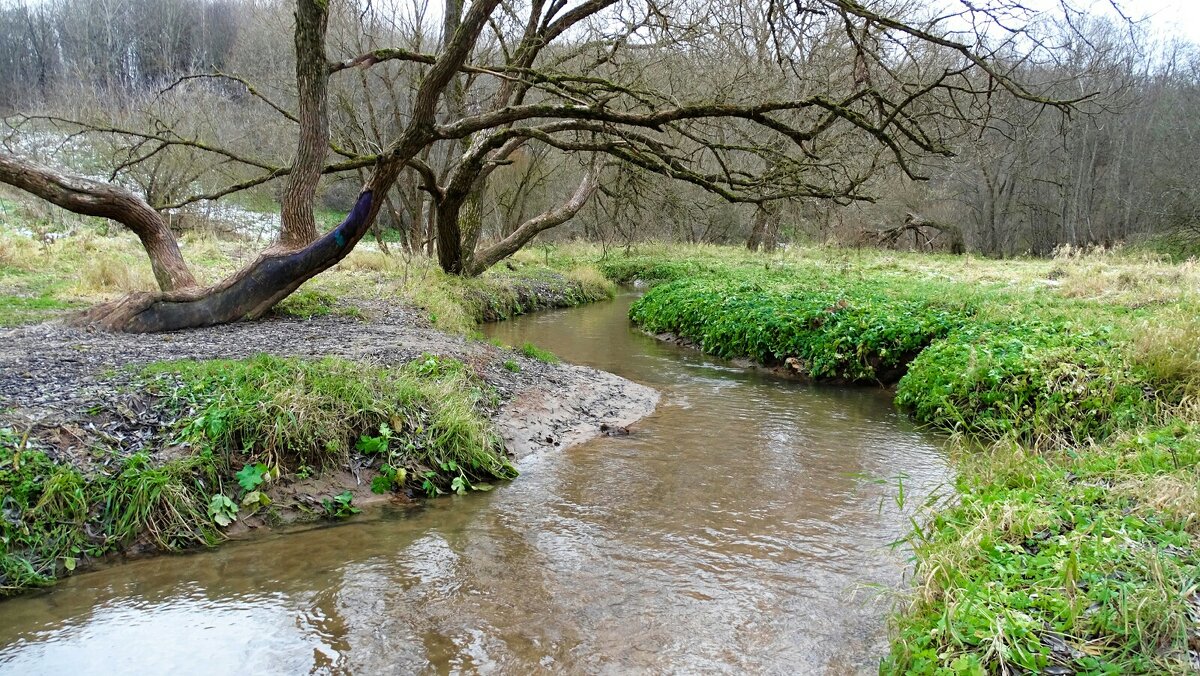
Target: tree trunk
x=245, y=295
x=765, y=232
x=470, y=223
x=449, y=238
x=275, y=274
x=312, y=77
x=506, y=247
x=93, y=198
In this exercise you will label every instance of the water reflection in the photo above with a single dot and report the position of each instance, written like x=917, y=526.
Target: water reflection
x=730, y=533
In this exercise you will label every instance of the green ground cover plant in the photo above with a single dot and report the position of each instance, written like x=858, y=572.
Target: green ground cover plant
x=245, y=424
x=293, y=413
x=1071, y=543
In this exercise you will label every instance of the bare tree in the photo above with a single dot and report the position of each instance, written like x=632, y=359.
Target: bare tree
x=825, y=94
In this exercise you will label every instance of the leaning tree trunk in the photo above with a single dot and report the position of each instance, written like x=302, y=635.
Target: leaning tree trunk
x=247, y=294
x=105, y=200
x=506, y=247
x=275, y=274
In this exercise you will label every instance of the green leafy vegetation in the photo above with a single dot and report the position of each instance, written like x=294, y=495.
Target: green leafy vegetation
x=340, y=506
x=247, y=423
x=45, y=509
x=294, y=413
x=1044, y=384
x=840, y=329
x=222, y=510
x=1084, y=560
x=53, y=516
x=1072, y=543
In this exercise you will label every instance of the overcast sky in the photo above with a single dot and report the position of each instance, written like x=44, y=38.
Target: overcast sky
x=1167, y=17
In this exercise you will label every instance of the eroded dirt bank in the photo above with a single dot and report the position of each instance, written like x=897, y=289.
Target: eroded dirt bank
x=72, y=392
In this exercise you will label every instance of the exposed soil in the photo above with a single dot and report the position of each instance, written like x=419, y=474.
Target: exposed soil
x=70, y=391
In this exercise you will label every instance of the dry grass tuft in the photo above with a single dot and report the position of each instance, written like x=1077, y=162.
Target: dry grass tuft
x=1166, y=495
x=1168, y=350
x=20, y=253
x=105, y=275
x=592, y=280
x=368, y=261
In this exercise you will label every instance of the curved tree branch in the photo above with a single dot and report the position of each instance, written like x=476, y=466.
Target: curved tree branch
x=506, y=247
x=105, y=200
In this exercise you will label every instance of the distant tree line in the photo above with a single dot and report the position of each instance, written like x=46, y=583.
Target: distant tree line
x=1023, y=178
x=114, y=45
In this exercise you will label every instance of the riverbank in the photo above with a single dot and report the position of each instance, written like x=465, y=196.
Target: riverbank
x=50, y=278
x=1069, y=386
x=126, y=445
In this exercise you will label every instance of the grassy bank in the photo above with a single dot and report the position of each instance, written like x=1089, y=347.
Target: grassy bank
x=259, y=440
x=1069, y=389
x=1068, y=386
x=83, y=262
x=255, y=441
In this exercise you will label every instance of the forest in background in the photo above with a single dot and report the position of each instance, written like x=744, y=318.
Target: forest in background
x=1027, y=181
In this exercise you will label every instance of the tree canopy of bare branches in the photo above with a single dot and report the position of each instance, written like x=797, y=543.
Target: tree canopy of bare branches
x=755, y=102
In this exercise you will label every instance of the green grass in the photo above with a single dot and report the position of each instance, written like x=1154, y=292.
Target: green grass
x=246, y=423
x=534, y=352
x=1073, y=539
x=19, y=310
x=164, y=504
x=293, y=413
x=54, y=516
x=1082, y=559
x=308, y=304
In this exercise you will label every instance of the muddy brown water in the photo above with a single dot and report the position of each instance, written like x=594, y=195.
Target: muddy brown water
x=742, y=528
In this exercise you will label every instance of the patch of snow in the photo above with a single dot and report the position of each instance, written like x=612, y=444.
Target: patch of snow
x=64, y=151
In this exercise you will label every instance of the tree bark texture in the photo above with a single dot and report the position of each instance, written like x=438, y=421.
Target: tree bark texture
x=105, y=200
x=245, y=295
x=312, y=79
x=506, y=247
x=765, y=231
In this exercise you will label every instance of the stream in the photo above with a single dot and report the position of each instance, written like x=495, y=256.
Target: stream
x=743, y=527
